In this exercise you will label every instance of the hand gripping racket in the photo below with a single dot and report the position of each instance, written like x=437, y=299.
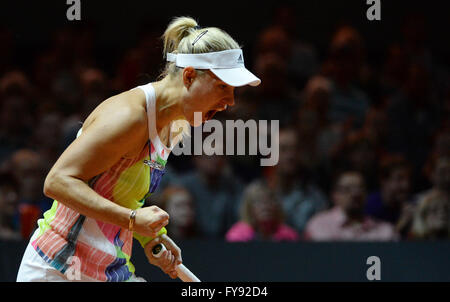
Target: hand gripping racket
x=183, y=272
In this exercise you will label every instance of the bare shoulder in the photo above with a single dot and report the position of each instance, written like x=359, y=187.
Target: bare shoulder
x=128, y=106
x=116, y=128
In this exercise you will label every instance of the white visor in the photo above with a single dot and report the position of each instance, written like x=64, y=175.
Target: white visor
x=227, y=65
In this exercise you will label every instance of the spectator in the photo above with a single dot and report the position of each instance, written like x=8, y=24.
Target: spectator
x=15, y=96
x=357, y=152
x=316, y=97
x=393, y=202
x=303, y=57
x=178, y=203
x=8, y=206
x=46, y=139
x=439, y=174
x=26, y=165
x=393, y=72
x=94, y=90
x=440, y=149
x=412, y=119
x=261, y=217
x=395, y=184
x=348, y=103
x=346, y=221
x=277, y=100
x=432, y=218
x=300, y=197
x=375, y=129
x=216, y=191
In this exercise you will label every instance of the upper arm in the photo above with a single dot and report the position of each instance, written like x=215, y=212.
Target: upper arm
x=116, y=130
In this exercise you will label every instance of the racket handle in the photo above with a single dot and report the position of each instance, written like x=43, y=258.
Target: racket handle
x=183, y=272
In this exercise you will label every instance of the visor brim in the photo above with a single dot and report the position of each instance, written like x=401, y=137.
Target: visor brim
x=236, y=77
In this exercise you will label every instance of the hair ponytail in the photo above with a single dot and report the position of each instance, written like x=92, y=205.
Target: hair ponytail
x=179, y=28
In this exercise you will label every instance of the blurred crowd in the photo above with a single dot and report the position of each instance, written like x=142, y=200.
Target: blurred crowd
x=364, y=147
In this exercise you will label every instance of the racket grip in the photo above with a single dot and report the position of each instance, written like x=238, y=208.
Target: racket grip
x=183, y=272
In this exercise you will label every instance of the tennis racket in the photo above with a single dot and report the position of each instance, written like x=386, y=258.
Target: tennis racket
x=183, y=272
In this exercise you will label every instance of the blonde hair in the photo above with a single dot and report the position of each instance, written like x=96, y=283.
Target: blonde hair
x=420, y=228
x=183, y=35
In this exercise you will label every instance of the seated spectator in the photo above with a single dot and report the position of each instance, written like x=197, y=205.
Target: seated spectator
x=27, y=168
x=375, y=129
x=412, y=118
x=9, y=189
x=344, y=66
x=46, y=139
x=14, y=131
x=438, y=172
x=277, y=100
x=357, y=152
x=393, y=73
x=346, y=221
x=261, y=217
x=440, y=149
x=292, y=183
x=282, y=38
x=432, y=217
x=216, y=191
x=178, y=203
x=394, y=194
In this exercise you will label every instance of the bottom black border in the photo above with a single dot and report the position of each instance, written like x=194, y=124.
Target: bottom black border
x=224, y=291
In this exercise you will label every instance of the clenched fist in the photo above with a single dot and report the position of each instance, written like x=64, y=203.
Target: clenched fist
x=150, y=220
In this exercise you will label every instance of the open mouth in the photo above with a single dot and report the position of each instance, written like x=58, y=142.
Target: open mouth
x=209, y=115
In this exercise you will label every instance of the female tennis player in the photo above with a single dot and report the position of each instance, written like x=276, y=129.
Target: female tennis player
x=101, y=180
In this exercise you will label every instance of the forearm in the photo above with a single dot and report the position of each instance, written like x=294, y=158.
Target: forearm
x=77, y=195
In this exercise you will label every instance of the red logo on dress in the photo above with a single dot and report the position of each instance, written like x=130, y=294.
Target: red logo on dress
x=152, y=149
x=162, y=152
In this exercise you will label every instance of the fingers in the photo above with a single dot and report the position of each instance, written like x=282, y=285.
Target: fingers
x=169, y=259
x=173, y=274
x=168, y=264
x=170, y=245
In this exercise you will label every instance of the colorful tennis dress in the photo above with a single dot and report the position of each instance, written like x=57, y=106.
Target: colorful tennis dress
x=105, y=249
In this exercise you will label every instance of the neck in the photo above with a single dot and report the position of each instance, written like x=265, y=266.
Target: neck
x=267, y=228
x=169, y=97
x=353, y=217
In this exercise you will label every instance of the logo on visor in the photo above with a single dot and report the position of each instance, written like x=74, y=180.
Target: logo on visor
x=240, y=59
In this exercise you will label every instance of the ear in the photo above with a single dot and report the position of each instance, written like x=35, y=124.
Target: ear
x=189, y=75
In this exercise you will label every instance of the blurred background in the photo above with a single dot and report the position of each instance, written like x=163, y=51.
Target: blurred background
x=364, y=111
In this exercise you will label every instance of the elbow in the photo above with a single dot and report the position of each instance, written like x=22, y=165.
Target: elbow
x=50, y=185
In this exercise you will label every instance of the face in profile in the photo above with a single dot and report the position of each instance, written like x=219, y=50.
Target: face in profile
x=206, y=94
